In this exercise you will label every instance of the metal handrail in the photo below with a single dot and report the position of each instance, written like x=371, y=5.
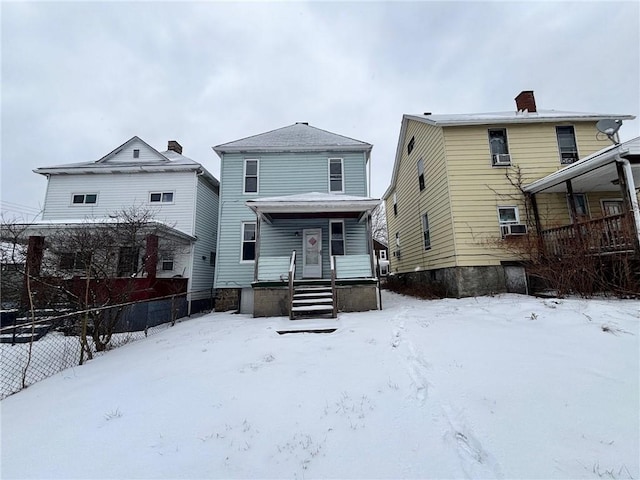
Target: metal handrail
x=333, y=287
x=292, y=274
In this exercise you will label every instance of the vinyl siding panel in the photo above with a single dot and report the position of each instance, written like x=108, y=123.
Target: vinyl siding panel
x=117, y=191
x=280, y=174
x=477, y=188
x=413, y=203
x=206, y=230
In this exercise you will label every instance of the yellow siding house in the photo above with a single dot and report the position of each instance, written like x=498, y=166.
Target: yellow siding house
x=456, y=191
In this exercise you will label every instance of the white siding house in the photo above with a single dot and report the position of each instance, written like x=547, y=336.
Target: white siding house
x=179, y=192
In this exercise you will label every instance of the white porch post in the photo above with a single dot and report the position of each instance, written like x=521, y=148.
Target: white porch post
x=631, y=193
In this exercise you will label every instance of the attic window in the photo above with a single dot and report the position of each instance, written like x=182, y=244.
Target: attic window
x=136, y=153
x=411, y=144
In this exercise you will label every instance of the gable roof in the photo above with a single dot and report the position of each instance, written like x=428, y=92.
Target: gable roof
x=299, y=137
x=168, y=161
x=513, y=117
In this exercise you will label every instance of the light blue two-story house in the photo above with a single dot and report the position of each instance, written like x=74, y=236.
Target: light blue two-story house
x=294, y=232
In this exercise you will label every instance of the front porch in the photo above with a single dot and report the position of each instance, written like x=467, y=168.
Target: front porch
x=607, y=180
x=313, y=256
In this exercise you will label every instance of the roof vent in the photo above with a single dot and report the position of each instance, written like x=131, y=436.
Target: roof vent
x=427, y=113
x=302, y=123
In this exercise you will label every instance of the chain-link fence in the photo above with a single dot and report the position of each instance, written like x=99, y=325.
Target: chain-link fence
x=42, y=344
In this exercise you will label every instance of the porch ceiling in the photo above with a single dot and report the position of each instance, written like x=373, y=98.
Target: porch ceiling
x=601, y=179
x=313, y=205
x=595, y=173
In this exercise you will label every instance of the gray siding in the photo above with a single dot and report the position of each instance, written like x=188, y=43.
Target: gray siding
x=206, y=230
x=281, y=174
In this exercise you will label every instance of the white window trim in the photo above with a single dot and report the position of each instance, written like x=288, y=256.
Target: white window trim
x=167, y=259
x=382, y=254
x=244, y=176
x=254, y=223
x=425, y=247
x=602, y=200
x=84, y=203
x=586, y=203
x=344, y=237
x=575, y=137
x=517, y=211
x=506, y=139
x=161, y=193
x=424, y=181
x=341, y=175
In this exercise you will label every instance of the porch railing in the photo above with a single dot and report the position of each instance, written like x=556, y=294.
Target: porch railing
x=292, y=276
x=614, y=233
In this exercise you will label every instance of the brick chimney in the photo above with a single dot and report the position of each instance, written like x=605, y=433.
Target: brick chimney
x=526, y=101
x=175, y=146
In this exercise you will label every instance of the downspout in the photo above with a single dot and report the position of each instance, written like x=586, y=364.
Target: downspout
x=633, y=198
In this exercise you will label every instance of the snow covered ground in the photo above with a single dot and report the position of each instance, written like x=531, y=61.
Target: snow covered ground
x=502, y=387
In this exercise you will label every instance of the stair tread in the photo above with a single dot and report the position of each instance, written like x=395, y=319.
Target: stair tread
x=313, y=301
x=312, y=294
x=315, y=308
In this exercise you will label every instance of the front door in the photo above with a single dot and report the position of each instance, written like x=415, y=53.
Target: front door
x=312, y=253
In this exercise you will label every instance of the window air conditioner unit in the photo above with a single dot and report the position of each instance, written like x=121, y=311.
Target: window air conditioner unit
x=513, y=229
x=502, y=159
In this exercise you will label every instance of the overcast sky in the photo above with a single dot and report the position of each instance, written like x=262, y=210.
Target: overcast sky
x=79, y=79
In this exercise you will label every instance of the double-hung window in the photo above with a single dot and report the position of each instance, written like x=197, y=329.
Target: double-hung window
x=84, y=198
x=251, y=170
x=426, y=234
x=499, y=147
x=337, y=237
x=508, y=215
x=421, y=174
x=161, y=197
x=567, y=144
x=75, y=261
x=248, y=253
x=336, y=175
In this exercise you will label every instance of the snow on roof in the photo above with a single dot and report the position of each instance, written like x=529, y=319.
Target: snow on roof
x=513, y=117
x=80, y=222
x=313, y=202
x=296, y=137
x=164, y=161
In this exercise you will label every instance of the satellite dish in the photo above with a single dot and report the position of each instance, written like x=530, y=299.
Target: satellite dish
x=610, y=127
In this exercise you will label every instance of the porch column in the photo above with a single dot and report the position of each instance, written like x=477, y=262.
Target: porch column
x=151, y=261
x=536, y=218
x=629, y=200
x=572, y=202
x=371, y=251
x=257, y=260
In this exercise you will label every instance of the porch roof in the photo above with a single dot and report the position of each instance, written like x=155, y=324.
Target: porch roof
x=313, y=205
x=40, y=227
x=594, y=173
